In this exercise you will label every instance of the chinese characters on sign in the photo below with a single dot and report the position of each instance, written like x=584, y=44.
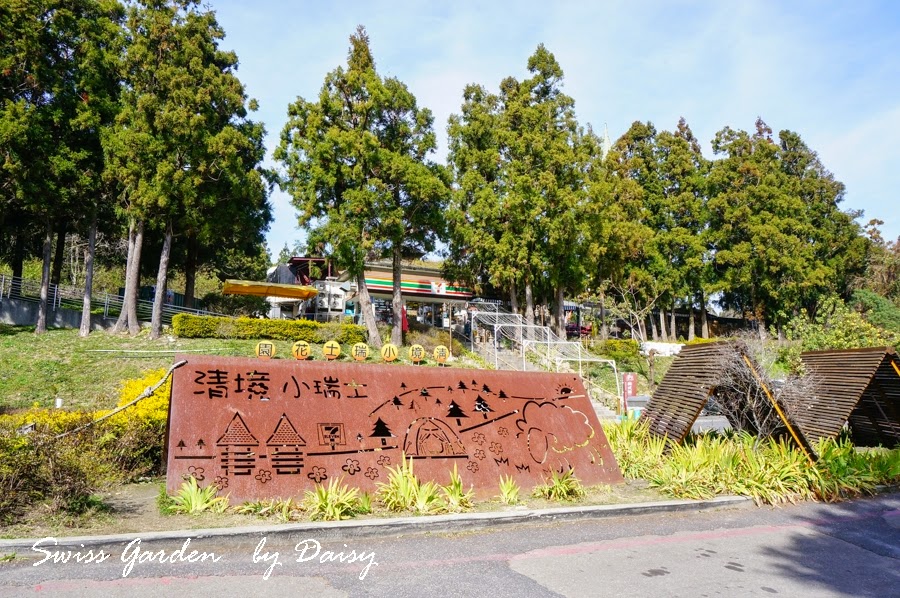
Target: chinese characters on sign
x=389, y=352
x=300, y=350
x=265, y=349
x=441, y=353
x=360, y=351
x=629, y=386
x=416, y=353
x=331, y=350
x=274, y=429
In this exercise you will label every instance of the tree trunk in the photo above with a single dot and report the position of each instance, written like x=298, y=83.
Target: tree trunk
x=134, y=273
x=704, y=320
x=18, y=259
x=560, y=315
x=604, y=328
x=59, y=254
x=190, y=271
x=85, y=329
x=673, y=328
x=663, y=334
x=41, y=325
x=365, y=305
x=653, y=329
x=691, y=322
x=122, y=321
x=161, y=279
x=529, y=309
x=396, y=296
x=513, y=297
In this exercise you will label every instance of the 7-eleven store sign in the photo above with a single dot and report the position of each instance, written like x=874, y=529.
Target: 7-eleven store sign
x=424, y=287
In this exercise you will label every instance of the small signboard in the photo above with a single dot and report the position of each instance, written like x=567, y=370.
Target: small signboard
x=265, y=349
x=389, y=352
x=301, y=350
x=331, y=350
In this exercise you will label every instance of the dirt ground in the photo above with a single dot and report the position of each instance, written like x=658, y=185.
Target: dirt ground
x=133, y=508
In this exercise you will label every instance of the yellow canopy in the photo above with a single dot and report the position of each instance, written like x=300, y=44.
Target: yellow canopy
x=268, y=289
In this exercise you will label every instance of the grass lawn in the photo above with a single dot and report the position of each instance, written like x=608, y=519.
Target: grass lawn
x=87, y=372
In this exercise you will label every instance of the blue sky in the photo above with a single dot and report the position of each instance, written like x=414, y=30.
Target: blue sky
x=828, y=70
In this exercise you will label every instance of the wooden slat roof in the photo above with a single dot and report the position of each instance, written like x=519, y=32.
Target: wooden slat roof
x=861, y=386
x=683, y=392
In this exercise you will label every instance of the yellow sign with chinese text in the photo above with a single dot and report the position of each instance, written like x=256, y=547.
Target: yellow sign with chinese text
x=360, y=351
x=441, y=354
x=265, y=349
x=301, y=350
x=416, y=353
x=389, y=352
x=331, y=350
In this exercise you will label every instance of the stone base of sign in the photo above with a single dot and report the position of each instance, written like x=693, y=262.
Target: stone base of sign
x=275, y=428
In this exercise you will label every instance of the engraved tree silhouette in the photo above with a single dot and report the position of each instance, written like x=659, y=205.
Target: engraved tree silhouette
x=482, y=406
x=381, y=430
x=456, y=412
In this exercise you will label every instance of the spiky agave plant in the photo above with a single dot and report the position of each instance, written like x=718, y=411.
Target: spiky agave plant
x=509, y=490
x=191, y=498
x=333, y=502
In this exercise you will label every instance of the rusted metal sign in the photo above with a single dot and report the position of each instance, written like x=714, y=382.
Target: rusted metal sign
x=274, y=428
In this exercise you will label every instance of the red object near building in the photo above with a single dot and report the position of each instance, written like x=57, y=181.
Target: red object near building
x=629, y=387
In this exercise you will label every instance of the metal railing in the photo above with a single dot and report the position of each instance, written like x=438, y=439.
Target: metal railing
x=69, y=297
x=509, y=342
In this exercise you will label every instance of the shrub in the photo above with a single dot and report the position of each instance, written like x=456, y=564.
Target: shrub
x=191, y=499
x=42, y=466
x=878, y=310
x=404, y=492
x=561, y=486
x=509, y=490
x=284, y=509
x=455, y=498
x=38, y=466
x=190, y=326
x=333, y=502
x=625, y=351
x=769, y=471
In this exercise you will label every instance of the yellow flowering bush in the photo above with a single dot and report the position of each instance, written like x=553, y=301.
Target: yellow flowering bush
x=37, y=465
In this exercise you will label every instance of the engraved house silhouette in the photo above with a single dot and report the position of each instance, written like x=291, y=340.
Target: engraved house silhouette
x=238, y=444
x=286, y=448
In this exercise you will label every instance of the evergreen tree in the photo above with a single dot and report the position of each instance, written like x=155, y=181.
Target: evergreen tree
x=182, y=147
x=358, y=172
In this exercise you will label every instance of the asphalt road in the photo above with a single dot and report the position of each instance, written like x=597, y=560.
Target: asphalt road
x=848, y=549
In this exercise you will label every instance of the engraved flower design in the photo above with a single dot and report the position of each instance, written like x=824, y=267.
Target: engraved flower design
x=263, y=476
x=384, y=460
x=472, y=466
x=503, y=431
x=318, y=474
x=479, y=454
x=351, y=466
x=196, y=473
x=371, y=473
x=478, y=438
x=221, y=482
x=496, y=448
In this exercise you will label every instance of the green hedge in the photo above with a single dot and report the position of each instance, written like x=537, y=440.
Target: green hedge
x=620, y=349
x=189, y=326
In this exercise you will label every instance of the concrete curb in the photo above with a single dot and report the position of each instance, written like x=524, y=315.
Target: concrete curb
x=381, y=527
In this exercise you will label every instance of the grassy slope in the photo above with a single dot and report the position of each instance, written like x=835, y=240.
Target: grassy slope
x=87, y=372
